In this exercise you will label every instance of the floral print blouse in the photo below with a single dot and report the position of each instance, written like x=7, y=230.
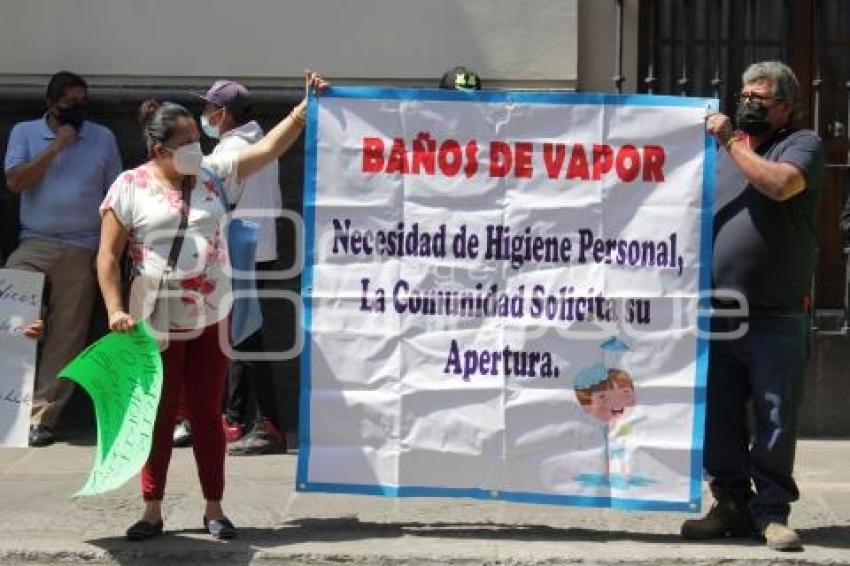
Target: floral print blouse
x=150, y=212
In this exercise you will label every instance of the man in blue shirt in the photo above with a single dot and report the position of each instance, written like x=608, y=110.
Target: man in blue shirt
x=61, y=165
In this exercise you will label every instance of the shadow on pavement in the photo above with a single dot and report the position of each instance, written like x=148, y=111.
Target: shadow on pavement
x=341, y=529
x=347, y=528
x=197, y=548
x=837, y=536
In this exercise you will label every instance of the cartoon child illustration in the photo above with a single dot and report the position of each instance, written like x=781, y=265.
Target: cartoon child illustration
x=607, y=393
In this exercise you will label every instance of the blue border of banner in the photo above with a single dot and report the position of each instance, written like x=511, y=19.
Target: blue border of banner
x=309, y=218
x=703, y=320
x=310, y=171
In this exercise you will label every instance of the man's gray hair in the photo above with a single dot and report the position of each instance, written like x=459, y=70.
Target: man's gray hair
x=785, y=84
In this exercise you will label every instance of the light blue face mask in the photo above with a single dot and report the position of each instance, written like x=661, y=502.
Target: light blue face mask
x=210, y=131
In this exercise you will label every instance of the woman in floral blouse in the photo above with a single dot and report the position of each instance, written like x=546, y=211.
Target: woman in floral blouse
x=143, y=210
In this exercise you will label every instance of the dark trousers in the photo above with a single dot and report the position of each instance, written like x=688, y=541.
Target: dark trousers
x=765, y=366
x=250, y=393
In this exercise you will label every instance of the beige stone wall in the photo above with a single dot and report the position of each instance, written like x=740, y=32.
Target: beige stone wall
x=596, y=48
x=509, y=42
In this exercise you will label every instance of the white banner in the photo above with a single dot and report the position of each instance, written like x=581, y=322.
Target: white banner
x=501, y=296
x=20, y=304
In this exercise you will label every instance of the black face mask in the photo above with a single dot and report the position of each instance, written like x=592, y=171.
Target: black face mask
x=752, y=118
x=73, y=116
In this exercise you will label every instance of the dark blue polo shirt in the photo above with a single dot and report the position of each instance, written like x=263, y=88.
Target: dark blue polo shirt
x=763, y=248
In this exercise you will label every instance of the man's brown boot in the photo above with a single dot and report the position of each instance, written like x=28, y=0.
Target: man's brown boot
x=726, y=518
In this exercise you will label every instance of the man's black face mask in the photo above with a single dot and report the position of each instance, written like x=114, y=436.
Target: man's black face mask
x=73, y=115
x=751, y=118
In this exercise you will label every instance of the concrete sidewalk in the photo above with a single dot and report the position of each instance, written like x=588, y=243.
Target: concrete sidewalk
x=41, y=524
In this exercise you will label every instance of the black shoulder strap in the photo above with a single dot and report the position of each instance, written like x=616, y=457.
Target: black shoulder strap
x=186, y=192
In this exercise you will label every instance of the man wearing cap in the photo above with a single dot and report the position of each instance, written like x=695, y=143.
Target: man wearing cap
x=227, y=118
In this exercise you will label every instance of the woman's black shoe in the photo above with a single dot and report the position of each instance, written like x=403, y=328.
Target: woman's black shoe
x=144, y=530
x=220, y=529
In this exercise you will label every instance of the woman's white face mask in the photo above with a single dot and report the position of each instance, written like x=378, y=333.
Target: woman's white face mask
x=187, y=158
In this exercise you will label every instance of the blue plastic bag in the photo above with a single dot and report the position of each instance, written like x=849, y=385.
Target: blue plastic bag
x=246, y=318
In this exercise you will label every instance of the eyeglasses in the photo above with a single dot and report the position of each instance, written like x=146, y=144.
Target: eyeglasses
x=754, y=97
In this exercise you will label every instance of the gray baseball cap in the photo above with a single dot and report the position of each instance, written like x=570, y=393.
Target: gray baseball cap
x=229, y=94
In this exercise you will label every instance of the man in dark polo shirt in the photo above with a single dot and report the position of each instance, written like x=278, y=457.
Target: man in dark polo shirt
x=769, y=182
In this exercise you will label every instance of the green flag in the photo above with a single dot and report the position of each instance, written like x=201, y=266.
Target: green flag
x=122, y=373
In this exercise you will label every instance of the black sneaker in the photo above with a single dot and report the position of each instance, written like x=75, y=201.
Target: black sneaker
x=726, y=518
x=263, y=439
x=41, y=435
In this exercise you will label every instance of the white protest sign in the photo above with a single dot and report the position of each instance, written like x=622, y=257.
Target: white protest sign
x=501, y=296
x=20, y=304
